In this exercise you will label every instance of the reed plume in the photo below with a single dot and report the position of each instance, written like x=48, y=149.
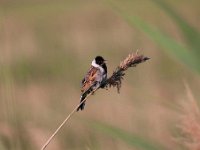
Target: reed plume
x=190, y=122
x=130, y=61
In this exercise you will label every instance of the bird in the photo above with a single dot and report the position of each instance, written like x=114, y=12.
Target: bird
x=93, y=79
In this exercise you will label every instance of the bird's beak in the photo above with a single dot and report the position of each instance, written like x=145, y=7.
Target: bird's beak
x=105, y=61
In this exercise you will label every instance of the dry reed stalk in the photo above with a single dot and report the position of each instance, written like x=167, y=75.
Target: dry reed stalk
x=62, y=124
x=114, y=81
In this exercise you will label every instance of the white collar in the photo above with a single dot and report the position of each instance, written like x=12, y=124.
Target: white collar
x=94, y=64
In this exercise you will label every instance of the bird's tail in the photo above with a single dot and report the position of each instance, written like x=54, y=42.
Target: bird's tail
x=82, y=105
x=83, y=96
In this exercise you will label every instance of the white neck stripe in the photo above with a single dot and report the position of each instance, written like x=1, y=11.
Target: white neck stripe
x=94, y=64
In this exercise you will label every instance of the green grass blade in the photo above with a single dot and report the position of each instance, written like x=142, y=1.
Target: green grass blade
x=130, y=139
x=171, y=46
x=191, y=34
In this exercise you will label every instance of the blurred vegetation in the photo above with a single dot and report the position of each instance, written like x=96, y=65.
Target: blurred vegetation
x=130, y=139
x=170, y=45
x=46, y=48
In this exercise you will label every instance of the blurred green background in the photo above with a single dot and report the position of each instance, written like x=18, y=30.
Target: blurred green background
x=46, y=46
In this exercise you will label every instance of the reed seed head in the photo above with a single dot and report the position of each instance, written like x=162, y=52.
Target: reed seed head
x=130, y=61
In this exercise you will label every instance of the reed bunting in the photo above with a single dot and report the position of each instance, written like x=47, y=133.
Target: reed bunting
x=94, y=78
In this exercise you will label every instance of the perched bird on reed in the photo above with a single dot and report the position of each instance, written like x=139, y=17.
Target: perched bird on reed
x=94, y=78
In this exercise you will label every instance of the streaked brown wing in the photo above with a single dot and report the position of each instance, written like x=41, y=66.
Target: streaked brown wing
x=89, y=79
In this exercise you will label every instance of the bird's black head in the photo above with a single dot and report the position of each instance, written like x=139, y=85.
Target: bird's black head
x=100, y=60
